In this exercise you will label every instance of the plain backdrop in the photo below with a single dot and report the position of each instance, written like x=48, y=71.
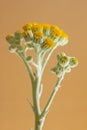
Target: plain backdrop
x=69, y=109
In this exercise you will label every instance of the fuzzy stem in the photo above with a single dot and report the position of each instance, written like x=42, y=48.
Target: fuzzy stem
x=55, y=90
x=36, y=84
x=36, y=91
x=27, y=66
x=48, y=57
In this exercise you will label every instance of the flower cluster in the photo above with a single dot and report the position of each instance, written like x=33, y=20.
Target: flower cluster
x=64, y=65
x=15, y=41
x=34, y=34
x=44, y=34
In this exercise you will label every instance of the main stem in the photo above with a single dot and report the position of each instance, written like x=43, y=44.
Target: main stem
x=36, y=103
x=36, y=92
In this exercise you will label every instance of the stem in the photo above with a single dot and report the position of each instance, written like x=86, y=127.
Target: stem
x=50, y=53
x=36, y=84
x=36, y=91
x=39, y=124
x=35, y=88
x=27, y=66
x=56, y=88
x=36, y=98
x=48, y=57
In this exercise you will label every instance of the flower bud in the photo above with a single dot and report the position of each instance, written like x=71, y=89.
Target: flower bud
x=63, y=60
x=73, y=62
x=10, y=38
x=18, y=35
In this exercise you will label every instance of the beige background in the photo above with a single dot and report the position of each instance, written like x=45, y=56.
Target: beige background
x=69, y=109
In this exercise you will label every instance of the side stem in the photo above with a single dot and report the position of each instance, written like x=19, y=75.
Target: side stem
x=55, y=90
x=27, y=66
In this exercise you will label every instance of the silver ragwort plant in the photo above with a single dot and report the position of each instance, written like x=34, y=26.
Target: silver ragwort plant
x=43, y=39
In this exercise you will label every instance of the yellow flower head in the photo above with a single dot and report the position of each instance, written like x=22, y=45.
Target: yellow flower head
x=36, y=27
x=25, y=33
x=55, y=31
x=49, y=43
x=46, y=26
x=27, y=26
x=38, y=35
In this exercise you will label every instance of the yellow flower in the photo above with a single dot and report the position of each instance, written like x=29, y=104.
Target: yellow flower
x=49, y=43
x=25, y=33
x=36, y=27
x=38, y=35
x=55, y=31
x=46, y=26
x=27, y=26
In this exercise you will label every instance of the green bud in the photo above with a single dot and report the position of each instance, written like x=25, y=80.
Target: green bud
x=10, y=39
x=18, y=35
x=64, y=65
x=63, y=60
x=17, y=42
x=60, y=55
x=73, y=62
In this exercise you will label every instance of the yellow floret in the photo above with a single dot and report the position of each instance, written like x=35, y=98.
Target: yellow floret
x=49, y=43
x=38, y=35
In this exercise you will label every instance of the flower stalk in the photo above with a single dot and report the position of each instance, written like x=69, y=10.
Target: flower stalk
x=43, y=39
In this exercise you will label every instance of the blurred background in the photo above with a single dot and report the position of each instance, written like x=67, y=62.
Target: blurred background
x=69, y=109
